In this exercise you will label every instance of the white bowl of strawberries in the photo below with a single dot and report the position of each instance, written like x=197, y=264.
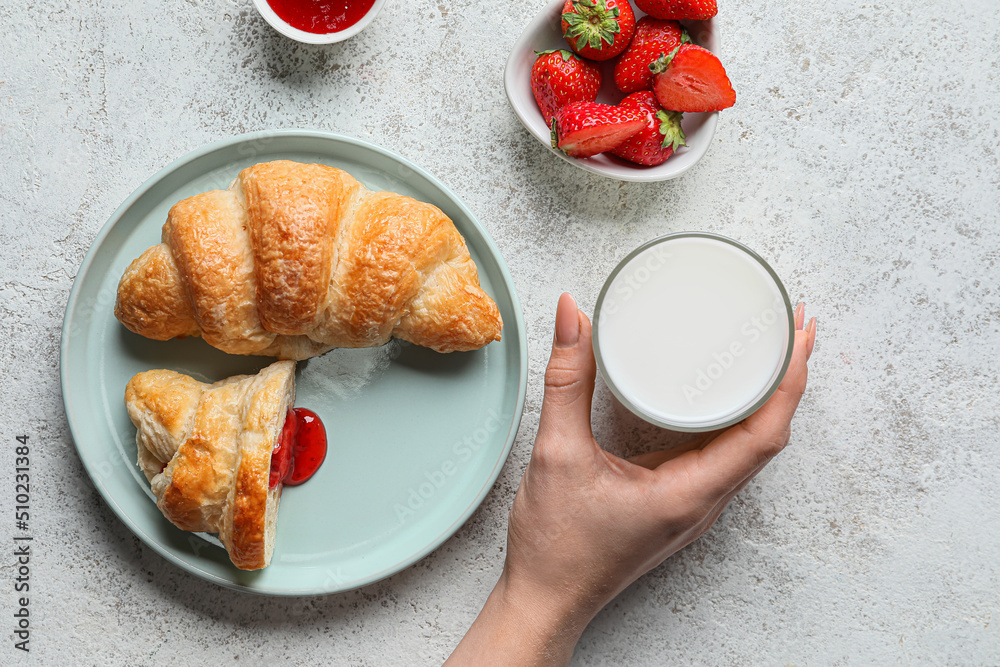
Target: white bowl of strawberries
x=628, y=93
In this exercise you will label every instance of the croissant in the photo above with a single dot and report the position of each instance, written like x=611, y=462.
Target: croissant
x=206, y=451
x=296, y=259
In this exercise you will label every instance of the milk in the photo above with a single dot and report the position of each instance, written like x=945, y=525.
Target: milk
x=693, y=332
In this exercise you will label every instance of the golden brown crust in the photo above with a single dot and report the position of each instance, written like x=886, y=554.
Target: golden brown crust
x=393, y=242
x=295, y=259
x=209, y=242
x=207, y=452
x=250, y=506
x=151, y=297
x=294, y=211
x=166, y=393
x=270, y=397
x=201, y=472
x=163, y=405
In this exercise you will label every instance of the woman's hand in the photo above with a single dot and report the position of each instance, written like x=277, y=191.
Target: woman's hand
x=585, y=523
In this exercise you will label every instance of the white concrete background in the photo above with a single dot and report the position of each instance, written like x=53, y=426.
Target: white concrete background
x=861, y=159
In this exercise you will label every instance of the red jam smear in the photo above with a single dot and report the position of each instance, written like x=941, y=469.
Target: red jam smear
x=321, y=16
x=301, y=448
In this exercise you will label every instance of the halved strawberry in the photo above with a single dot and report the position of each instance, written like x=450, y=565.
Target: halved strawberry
x=657, y=141
x=697, y=10
x=653, y=38
x=560, y=77
x=692, y=79
x=583, y=129
x=598, y=29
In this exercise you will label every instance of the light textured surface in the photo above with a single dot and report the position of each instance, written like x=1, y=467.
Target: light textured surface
x=861, y=159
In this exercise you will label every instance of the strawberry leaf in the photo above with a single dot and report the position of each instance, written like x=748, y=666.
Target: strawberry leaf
x=663, y=62
x=670, y=128
x=591, y=22
x=566, y=54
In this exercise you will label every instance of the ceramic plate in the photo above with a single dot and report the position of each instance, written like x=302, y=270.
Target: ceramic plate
x=544, y=33
x=416, y=438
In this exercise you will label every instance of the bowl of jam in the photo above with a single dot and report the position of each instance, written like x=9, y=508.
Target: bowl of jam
x=319, y=21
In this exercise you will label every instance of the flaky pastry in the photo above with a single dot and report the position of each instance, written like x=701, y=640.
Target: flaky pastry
x=296, y=259
x=206, y=451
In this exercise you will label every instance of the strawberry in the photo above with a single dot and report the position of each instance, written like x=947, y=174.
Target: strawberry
x=583, y=129
x=696, y=10
x=653, y=38
x=657, y=141
x=691, y=78
x=560, y=77
x=598, y=29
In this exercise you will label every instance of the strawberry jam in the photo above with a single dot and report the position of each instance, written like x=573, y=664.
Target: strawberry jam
x=300, y=450
x=321, y=17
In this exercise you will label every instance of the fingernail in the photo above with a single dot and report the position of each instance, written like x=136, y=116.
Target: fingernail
x=811, y=332
x=567, y=321
x=800, y=312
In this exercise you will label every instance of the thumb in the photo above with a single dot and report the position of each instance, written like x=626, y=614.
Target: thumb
x=569, y=378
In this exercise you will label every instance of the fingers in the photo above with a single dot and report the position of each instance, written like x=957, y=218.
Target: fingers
x=569, y=378
x=811, y=333
x=734, y=456
x=653, y=460
x=810, y=329
x=775, y=416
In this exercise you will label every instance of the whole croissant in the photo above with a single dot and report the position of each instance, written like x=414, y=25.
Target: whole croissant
x=296, y=259
x=206, y=451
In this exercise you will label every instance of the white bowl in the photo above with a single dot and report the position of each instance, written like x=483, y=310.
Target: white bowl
x=287, y=30
x=544, y=33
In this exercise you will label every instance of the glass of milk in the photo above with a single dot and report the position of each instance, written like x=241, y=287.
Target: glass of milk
x=693, y=331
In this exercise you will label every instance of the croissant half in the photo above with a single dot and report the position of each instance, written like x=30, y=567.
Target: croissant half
x=206, y=451
x=296, y=259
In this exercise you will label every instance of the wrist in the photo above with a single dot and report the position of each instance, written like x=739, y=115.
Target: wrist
x=552, y=623
x=523, y=625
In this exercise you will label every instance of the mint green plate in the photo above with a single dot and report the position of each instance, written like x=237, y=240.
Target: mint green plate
x=417, y=438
